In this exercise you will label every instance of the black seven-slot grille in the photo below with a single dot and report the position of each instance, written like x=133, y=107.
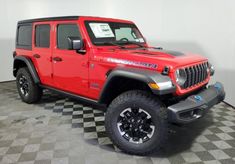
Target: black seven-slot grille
x=195, y=74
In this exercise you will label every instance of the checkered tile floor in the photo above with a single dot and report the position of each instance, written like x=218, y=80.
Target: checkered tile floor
x=59, y=130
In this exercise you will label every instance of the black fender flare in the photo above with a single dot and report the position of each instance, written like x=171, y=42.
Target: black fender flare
x=29, y=65
x=146, y=76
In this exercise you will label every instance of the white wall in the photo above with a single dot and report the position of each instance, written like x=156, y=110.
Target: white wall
x=199, y=26
x=12, y=11
x=205, y=27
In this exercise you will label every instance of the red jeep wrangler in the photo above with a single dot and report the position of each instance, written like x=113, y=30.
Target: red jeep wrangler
x=108, y=61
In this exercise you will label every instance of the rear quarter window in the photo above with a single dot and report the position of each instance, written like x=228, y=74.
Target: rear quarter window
x=42, y=36
x=24, y=36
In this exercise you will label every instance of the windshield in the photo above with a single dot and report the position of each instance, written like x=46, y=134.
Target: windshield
x=113, y=33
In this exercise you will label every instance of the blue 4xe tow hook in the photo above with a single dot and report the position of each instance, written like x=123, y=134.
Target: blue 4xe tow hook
x=217, y=86
x=198, y=98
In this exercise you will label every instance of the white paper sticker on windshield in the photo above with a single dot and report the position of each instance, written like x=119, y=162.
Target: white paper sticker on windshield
x=141, y=40
x=101, y=30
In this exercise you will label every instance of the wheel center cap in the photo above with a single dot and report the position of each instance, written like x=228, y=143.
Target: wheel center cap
x=135, y=125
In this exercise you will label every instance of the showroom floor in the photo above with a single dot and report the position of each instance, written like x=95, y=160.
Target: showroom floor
x=59, y=130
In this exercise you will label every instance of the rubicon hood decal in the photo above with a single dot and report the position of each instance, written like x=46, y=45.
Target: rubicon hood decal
x=133, y=63
x=174, y=53
x=151, y=51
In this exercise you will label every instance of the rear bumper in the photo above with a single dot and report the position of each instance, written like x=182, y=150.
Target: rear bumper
x=195, y=106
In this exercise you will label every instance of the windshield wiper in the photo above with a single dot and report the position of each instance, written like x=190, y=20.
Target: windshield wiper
x=119, y=44
x=132, y=42
x=110, y=43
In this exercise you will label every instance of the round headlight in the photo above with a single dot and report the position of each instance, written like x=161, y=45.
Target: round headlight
x=180, y=76
x=211, y=69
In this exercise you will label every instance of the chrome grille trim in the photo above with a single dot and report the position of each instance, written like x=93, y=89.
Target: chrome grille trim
x=195, y=74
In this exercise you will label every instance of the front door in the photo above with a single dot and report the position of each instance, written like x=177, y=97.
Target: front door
x=70, y=68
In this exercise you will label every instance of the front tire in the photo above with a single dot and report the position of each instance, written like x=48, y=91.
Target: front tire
x=28, y=90
x=136, y=122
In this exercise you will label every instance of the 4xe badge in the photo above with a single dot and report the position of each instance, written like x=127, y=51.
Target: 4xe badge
x=198, y=98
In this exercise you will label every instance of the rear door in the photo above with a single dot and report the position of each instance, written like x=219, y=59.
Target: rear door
x=70, y=68
x=42, y=51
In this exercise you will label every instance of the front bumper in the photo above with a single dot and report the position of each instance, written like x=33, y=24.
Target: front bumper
x=195, y=106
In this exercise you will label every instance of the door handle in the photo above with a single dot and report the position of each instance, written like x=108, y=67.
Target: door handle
x=57, y=59
x=36, y=56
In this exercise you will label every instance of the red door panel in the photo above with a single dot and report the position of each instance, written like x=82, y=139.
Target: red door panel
x=41, y=51
x=70, y=69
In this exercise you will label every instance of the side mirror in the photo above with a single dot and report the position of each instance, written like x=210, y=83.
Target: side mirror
x=75, y=43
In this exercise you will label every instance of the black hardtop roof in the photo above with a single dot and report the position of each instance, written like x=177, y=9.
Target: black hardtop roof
x=48, y=19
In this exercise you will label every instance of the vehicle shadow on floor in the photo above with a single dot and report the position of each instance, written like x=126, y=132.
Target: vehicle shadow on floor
x=52, y=97
x=181, y=138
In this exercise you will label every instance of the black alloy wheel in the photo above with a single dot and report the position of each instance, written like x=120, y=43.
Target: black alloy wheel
x=28, y=90
x=24, y=85
x=136, y=122
x=135, y=125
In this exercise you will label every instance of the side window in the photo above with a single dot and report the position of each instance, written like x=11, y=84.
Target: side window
x=24, y=36
x=63, y=32
x=42, y=36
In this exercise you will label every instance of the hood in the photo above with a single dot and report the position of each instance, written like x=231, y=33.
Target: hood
x=151, y=57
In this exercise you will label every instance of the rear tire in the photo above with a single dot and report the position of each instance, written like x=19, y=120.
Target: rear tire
x=27, y=89
x=146, y=114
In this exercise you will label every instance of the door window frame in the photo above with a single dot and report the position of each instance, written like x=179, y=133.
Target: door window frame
x=34, y=35
x=56, y=33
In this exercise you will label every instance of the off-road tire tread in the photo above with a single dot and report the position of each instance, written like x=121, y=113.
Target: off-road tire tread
x=35, y=92
x=144, y=97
